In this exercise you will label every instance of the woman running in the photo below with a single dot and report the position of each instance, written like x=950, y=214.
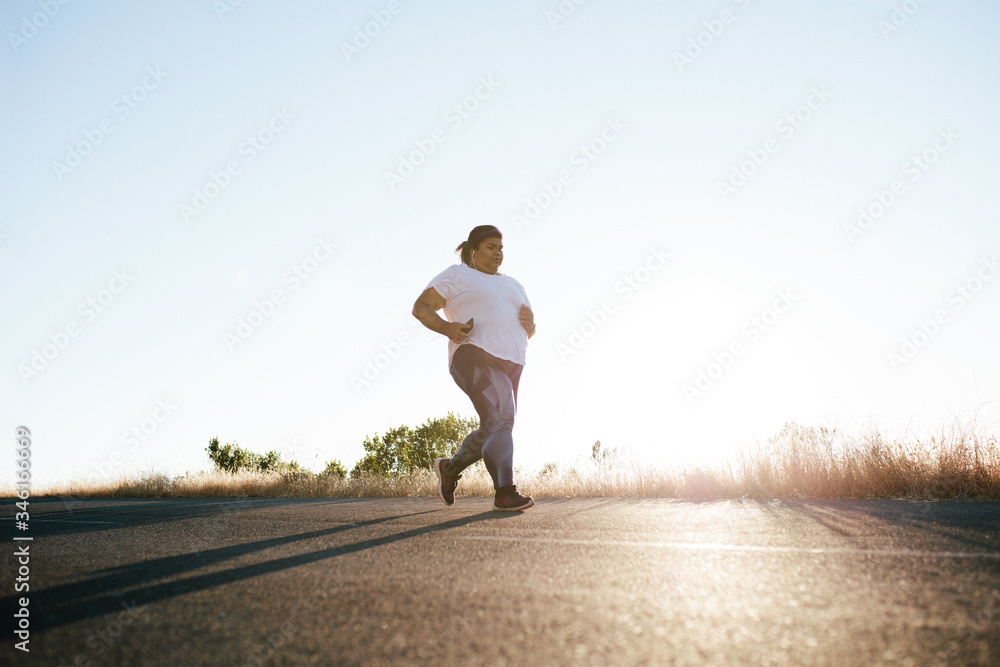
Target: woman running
x=488, y=327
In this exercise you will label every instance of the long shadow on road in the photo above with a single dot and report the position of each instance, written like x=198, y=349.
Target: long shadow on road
x=73, y=602
x=950, y=523
x=71, y=516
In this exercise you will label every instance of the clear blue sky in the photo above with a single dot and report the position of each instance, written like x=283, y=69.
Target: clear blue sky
x=177, y=164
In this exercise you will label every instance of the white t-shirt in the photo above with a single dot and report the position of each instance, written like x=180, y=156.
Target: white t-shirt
x=494, y=301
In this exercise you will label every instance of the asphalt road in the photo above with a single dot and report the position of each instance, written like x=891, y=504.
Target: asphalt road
x=570, y=581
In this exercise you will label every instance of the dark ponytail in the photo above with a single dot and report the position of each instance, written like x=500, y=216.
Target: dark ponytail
x=476, y=236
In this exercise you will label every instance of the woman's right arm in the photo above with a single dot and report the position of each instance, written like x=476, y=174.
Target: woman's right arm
x=425, y=309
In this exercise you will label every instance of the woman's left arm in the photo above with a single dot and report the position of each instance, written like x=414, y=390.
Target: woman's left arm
x=527, y=319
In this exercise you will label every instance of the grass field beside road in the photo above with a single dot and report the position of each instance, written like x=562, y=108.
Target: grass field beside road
x=798, y=463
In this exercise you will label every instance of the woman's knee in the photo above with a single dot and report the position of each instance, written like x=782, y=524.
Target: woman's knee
x=478, y=437
x=499, y=422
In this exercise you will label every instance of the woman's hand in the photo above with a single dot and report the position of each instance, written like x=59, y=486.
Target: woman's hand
x=527, y=319
x=453, y=330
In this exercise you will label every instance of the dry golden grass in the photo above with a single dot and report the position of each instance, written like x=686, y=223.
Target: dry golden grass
x=217, y=484
x=799, y=462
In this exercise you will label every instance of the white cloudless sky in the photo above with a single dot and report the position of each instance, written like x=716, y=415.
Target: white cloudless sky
x=169, y=168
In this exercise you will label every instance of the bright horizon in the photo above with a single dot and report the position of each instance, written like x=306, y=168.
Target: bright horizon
x=217, y=216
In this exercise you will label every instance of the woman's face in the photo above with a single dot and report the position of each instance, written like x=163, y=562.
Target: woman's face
x=489, y=255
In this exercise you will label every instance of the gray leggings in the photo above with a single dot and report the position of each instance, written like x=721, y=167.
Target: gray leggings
x=491, y=383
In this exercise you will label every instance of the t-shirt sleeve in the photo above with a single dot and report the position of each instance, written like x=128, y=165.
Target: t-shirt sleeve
x=444, y=283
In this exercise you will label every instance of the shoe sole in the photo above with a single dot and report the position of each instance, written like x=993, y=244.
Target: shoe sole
x=530, y=503
x=437, y=471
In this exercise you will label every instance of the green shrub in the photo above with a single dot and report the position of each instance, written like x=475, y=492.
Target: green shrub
x=232, y=458
x=403, y=449
x=335, y=468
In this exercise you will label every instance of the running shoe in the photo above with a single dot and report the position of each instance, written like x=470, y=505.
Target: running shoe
x=509, y=500
x=446, y=483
